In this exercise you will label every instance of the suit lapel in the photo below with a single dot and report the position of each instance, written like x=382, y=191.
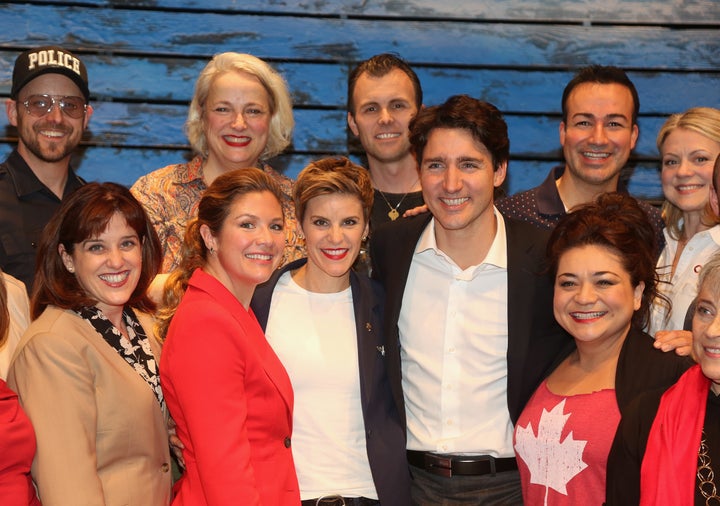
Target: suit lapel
x=270, y=362
x=522, y=284
x=398, y=259
x=368, y=344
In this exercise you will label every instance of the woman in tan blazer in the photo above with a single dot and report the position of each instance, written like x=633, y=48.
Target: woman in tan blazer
x=86, y=369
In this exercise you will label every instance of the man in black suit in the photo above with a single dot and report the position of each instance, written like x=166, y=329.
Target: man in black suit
x=469, y=317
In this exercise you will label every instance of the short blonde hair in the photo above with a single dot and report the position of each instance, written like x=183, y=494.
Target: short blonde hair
x=281, y=121
x=706, y=122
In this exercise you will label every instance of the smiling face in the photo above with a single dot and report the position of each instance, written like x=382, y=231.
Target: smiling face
x=249, y=245
x=458, y=182
x=384, y=107
x=599, y=134
x=236, y=118
x=594, y=299
x=108, y=266
x=54, y=136
x=334, y=227
x=687, y=168
x=706, y=331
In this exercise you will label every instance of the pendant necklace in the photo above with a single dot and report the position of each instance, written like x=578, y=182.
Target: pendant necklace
x=393, y=213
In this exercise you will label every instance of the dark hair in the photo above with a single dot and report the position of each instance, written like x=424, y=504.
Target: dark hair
x=482, y=119
x=333, y=175
x=615, y=221
x=83, y=215
x=378, y=66
x=213, y=210
x=602, y=75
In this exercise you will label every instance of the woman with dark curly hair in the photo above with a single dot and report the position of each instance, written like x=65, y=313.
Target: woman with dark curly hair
x=601, y=256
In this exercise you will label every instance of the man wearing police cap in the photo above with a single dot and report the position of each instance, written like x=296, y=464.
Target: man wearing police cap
x=49, y=106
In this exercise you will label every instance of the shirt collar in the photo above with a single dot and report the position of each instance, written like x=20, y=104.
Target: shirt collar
x=548, y=197
x=26, y=182
x=496, y=256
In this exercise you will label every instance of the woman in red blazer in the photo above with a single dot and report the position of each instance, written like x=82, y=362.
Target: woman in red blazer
x=226, y=389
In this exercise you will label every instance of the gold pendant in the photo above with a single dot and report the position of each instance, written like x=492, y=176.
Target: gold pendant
x=393, y=214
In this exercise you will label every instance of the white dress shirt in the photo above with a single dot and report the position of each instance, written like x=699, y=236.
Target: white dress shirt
x=454, y=338
x=682, y=287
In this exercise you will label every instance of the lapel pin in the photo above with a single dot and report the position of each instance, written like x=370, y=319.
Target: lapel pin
x=368, y=326
x=381, y=349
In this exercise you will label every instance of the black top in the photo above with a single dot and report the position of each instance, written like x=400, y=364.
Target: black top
x=400, y=202
x=26, y=206
x=638, y=414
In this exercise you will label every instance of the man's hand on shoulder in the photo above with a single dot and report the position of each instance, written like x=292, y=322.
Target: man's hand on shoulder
x=678, y=340
x=415, y=211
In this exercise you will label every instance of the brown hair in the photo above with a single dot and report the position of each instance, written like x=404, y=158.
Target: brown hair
x=332, y=175
x=214, y=208
x=381, y=65
x=83, y=215
x=481, y=119
x=615, y=221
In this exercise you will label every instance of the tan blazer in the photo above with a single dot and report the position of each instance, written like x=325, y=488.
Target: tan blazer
x=101, y=435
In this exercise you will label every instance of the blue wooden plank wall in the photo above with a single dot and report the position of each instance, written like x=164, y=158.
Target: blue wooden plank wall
x=143, y=57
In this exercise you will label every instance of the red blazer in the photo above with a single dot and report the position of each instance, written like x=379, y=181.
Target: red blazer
x=17, y=449
x=232, y=401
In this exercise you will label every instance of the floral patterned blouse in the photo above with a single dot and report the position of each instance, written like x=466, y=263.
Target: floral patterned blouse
x=171, y=197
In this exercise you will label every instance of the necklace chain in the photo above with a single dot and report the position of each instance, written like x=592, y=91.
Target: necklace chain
x=393, y=214
x=706, y=476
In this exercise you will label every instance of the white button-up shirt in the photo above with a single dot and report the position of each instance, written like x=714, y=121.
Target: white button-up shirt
x=682, y=287
x=453, y=336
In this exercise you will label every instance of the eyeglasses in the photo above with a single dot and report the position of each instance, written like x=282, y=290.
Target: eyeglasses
x=40, y=105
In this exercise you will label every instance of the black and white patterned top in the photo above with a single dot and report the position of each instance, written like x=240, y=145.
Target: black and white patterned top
x=136, y=350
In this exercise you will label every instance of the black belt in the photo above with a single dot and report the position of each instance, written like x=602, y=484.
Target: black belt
x=349, y=501
x=461, y=465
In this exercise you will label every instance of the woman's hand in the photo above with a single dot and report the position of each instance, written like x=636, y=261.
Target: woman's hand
x=175, y=444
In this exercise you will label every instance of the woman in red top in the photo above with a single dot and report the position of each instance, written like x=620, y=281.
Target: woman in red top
x=602, y=258
x=228, y=392
x=17, y=438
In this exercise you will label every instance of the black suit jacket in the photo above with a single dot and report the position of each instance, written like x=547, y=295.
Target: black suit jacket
x=536, y=342
x=384, y=431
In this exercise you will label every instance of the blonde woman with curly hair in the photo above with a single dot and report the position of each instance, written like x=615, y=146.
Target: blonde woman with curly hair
x=240, y=117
